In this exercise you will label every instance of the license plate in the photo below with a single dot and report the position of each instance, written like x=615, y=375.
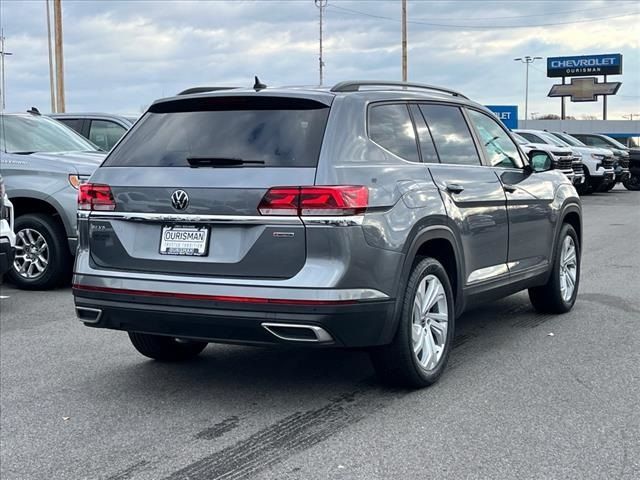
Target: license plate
x=184, y=240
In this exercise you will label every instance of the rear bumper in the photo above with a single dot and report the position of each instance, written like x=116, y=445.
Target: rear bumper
x=7, y=253
x=356, y=324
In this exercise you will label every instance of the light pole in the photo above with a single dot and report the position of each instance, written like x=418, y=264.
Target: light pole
x=321, y=4
x=3, y=53
x=527, y=61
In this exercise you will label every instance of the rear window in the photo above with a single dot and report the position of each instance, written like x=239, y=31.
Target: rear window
x=281, y=132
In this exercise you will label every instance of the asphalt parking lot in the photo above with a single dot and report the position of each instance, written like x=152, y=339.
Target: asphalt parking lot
x=525, y=395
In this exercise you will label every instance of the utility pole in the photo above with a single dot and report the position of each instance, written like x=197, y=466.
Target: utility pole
x=51, y=84
x=57, y=22
x=3, y=53
x=404, y=40
x=321, y=4
x=527, y=61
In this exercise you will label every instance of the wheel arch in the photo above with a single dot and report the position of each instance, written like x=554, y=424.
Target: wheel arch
x=24, y=205
x=441, y=243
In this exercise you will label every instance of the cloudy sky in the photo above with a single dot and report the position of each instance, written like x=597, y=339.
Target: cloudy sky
x=121, y=55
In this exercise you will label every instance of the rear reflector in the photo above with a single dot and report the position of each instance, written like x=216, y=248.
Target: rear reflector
x=93, y=196
x=209, y=298
x=315, y=201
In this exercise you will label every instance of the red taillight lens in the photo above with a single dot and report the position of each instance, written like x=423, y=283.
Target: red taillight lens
x=92, y=196
x=315, y=201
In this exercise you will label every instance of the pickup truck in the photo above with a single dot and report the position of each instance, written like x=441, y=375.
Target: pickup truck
x=43, y=164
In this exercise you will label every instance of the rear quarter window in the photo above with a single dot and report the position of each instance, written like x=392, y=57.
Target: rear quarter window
x=390, y=126
x=280, y=132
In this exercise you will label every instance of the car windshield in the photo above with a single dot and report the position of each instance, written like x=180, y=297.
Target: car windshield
x=552, y=139
x=569, y=139
x=521, y=140
x=34, y=133
x=614, y=142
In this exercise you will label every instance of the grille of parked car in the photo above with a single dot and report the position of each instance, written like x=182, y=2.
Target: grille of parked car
x=624, y=162
x=607, y=162
x=576, y=163
x=562, y=161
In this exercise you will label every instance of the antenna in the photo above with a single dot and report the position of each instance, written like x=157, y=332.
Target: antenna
x=258, y=85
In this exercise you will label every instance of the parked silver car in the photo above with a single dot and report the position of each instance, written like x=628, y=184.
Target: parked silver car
x=102, y=129
x=43, y=164
x=368, y=215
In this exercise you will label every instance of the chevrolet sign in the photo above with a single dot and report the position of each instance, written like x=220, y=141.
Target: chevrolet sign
x=584, y=65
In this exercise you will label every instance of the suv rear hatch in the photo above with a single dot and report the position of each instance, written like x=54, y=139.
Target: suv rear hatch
x=185, y=184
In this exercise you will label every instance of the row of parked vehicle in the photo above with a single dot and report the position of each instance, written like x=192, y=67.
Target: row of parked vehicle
x=371, y=214
x=593, y=162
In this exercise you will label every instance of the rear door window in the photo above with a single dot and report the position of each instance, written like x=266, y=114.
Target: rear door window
x=73, y=123
x=276, y=132
x=451, y=134
x=390, y=126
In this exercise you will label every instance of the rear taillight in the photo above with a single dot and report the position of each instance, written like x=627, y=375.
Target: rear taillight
x=93, y=196
x=315, y=201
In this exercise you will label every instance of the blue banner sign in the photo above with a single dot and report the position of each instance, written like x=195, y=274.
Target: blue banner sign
x=610, y=64
x=507, y=114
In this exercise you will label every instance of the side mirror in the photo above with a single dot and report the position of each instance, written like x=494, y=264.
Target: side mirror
x=540, y=161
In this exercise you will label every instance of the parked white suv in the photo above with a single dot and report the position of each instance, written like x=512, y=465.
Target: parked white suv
x=7, y=237
x=597, y=162
x=563, y=158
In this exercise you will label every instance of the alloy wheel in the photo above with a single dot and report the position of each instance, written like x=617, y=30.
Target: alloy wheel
x=430, y=322
x=32, y=254
x=568, y=268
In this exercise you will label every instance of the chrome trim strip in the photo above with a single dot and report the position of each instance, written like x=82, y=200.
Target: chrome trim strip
x=321, y=334
x=487, y=273
x=347, y=221
x=338, y=221
x=196, y=218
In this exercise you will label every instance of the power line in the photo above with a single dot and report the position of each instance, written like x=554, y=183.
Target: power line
x=417, y=22
x=554, y=14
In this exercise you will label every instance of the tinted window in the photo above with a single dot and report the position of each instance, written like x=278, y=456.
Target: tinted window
x=34, y=133
x=105, y=134
x=427, y=148
x=278, y=132
x=451, y=134
x=73, y=123
x=499, y=149
x=531, y=137
x=390, y=126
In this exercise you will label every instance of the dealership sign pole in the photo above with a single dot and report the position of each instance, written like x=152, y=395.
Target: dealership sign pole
x=584, y=89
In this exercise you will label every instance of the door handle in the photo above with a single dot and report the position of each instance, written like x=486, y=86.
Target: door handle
x=509, y=188
x=454, y=188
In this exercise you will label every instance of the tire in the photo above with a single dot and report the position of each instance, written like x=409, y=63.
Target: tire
x=550, y=298
x=609, y=187
x=40, y=227
x=632, y=183
x=167, y=349
x=397, y=363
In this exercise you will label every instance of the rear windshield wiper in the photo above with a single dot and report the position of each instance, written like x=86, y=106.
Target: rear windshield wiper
x=221, y=162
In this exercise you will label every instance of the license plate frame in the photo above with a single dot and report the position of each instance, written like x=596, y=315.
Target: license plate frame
x=177, y=247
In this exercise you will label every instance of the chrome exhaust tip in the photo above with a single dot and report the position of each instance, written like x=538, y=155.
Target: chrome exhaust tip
x=298, y=333
x=88, y=315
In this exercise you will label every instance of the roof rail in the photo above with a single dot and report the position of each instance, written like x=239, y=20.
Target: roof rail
x=354, y=86
x=191, y=90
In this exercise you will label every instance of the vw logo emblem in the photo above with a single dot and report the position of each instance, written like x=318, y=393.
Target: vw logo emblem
x=179, y=199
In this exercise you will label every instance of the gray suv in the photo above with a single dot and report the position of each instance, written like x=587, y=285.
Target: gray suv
x=371, y=214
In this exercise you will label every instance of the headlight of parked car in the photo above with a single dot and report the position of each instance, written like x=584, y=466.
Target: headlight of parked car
x=597, y=156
